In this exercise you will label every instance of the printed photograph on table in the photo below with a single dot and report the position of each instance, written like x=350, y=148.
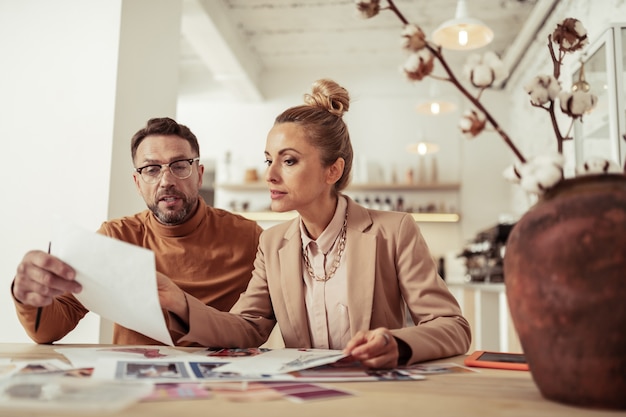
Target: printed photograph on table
x=178, y=391
x=39, y=367
x=351, y=372
x=235, y=352
x=151, y=370
x=205, y=370
x=244, y=391
x=304, y=392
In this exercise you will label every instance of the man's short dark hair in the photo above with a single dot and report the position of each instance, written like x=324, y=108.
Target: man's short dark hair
x=164, y=126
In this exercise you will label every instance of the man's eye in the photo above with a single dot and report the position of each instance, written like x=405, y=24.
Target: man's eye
x=179, y=168
x=152, y=170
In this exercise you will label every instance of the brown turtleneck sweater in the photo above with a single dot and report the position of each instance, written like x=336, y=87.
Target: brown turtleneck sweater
x=210, y=257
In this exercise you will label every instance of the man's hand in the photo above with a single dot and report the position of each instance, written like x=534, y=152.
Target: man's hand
x=171, y=297
x=41, y=278
x=374, y=348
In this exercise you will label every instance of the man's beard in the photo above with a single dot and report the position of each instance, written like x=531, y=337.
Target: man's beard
x=173, y=218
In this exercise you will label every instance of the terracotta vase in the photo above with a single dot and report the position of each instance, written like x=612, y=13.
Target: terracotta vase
x=565, y=277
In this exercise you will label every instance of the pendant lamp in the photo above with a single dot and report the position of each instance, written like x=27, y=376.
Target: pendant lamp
x=462, y=32
x=422, y=149
x=436, y=103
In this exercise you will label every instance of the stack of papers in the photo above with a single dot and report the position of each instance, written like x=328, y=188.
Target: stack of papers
x=109, y=378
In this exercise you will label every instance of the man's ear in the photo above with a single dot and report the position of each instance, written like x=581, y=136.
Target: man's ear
x=200, y=174
x=335, y=171
x=136, y=180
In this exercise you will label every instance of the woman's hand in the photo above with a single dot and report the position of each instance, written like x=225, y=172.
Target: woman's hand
x=374, y=348
x=171, y=297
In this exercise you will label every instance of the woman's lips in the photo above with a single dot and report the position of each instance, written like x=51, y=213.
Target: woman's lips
x=275, y=194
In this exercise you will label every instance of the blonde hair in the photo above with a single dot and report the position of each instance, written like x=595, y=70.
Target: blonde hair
x=322, y=119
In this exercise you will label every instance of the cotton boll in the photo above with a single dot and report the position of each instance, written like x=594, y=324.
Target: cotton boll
x=538, y=178
x=511, y=174
x=490, y=58
x=482, y=76
x=499, y=70
x=472, y=61
x=419, y=64
x=542, y=89
x=472, y=123
x=596, y=165
x=413, y=38
x=577, y=103
x=465, y=123
x=582, y=102
x=493, y=61
x=552, y=158
x=541, y=173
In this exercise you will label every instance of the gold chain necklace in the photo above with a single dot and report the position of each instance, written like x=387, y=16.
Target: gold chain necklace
x=333, y=269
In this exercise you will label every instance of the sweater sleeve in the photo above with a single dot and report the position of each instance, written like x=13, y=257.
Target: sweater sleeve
x=56, y=320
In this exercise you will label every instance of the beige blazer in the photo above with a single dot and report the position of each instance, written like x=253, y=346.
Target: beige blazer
x=390, y=271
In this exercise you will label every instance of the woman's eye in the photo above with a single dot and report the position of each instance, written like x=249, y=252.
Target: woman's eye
x=267, y=162
x=289, y=162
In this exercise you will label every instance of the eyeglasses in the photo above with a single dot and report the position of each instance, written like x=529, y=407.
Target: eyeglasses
x=181, y=169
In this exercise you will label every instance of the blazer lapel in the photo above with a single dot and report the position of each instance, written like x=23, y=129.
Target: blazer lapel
x=291, y=284
x=361, y=255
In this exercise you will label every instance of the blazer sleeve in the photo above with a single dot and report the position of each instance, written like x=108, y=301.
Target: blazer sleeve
x=440, y=329
x=249, y=322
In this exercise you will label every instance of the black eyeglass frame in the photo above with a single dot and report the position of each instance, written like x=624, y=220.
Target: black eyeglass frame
x=168, y=166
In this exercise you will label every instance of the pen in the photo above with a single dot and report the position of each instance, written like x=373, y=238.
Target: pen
x=38, y=318
x=40, y=309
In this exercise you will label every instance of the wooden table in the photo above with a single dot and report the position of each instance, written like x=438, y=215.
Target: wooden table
x=486, y=393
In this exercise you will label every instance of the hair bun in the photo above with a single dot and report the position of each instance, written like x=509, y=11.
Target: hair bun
x=328, y=95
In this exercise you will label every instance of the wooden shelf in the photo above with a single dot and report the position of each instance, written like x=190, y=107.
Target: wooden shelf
x=261, y=186
x=270, y=216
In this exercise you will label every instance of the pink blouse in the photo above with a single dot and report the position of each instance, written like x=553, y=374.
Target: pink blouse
x=327, y=301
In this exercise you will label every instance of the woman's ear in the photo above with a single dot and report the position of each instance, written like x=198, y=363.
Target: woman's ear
x=335, y=171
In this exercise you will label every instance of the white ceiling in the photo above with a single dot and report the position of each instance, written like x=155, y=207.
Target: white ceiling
x=239, y=40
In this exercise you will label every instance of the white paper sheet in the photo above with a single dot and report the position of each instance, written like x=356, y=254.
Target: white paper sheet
x=118, y=279
x=281, y=361
x=87, y=357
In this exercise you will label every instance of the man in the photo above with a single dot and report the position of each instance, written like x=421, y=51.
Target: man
x=208, y=253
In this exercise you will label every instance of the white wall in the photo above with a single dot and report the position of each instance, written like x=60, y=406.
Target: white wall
x=70, y=100
x=56, y=109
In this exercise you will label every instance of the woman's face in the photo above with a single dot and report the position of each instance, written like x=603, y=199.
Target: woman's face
x=295, y=175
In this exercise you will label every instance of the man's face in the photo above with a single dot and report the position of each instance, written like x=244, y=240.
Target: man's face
x=171, y=199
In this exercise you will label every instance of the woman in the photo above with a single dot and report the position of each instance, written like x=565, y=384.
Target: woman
x=339, y=276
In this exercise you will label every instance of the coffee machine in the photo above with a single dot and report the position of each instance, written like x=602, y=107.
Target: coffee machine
x=485, y=253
